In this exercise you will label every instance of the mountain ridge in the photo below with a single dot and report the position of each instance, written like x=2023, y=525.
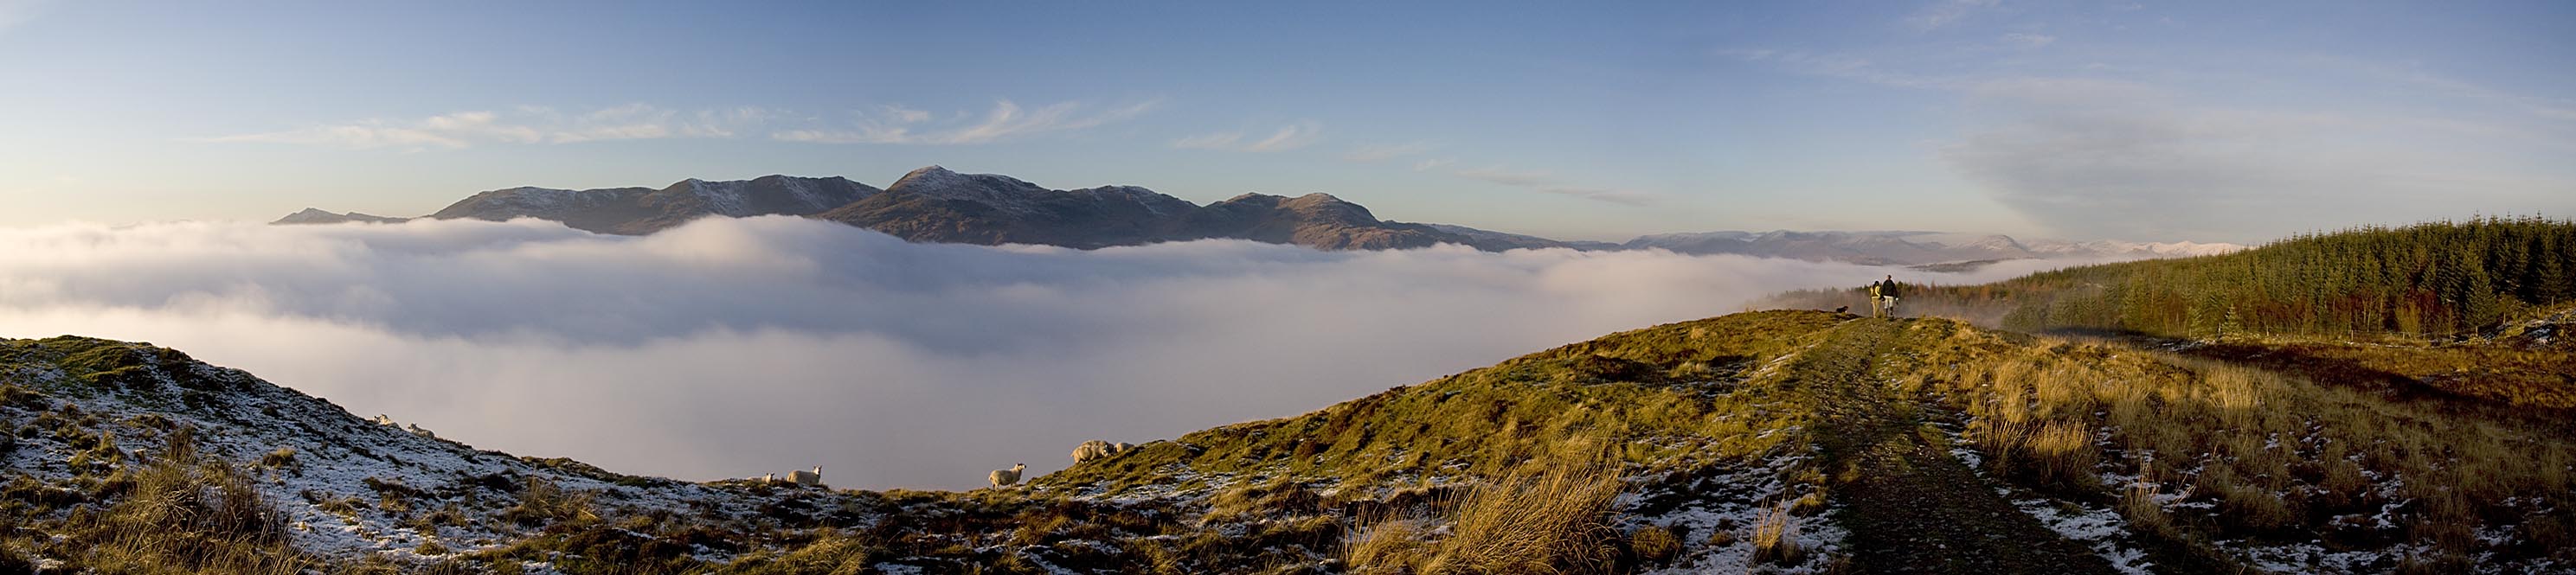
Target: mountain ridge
x=936, y=204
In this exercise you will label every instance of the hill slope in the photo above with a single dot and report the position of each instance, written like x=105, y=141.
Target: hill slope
x=2429, y=279
x=1773, y=441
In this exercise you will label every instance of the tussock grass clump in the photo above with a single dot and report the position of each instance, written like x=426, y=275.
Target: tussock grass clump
x=1655, y=545
x=1546, y=517
x=1775, y=538
x=282, y=458
x=542, y=502
x=184, y=514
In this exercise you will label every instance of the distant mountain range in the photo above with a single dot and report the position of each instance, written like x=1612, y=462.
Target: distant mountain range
x=1912, y=248
x=934, y=204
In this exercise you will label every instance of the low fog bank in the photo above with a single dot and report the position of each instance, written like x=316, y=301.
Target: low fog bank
x=728, y=348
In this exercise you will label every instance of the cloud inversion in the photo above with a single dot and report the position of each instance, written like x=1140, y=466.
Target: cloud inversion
x=727, y=348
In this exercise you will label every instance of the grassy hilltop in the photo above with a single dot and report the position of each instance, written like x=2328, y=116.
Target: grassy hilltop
x=1782, y=441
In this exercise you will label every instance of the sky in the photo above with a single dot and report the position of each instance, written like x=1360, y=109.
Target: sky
x=737, y=347
x=2222, y=121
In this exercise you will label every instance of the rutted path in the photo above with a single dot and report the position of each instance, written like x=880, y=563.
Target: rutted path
x=1910, y=506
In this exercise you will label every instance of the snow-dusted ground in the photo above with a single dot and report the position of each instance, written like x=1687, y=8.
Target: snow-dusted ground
x=1734, y=501
x=354, y=486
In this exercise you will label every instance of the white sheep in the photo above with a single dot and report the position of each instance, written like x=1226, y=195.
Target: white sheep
x=1097, y=449
x=1004, y=477
x=807, y=478
x=765, y=478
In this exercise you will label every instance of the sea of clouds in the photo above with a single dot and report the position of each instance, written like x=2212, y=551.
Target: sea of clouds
x=734, y=347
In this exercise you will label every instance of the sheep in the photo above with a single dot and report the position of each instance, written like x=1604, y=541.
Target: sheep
x=1090, y=450
x=1004, y=477
x=416, y=429
x=807, y=478
x=764, y=479
x=1097, y=449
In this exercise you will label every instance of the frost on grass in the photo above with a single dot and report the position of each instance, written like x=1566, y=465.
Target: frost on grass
x=1721, y=521
x=2100, y=528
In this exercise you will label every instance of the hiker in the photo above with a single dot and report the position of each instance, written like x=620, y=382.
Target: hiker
x=1882, y=298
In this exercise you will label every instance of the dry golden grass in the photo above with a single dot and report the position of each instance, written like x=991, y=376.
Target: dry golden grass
x=2270, y=450
x=1655, y=544
x=1386, y=546
x=185, y=514
x=1775, y=538
x=1545, y=516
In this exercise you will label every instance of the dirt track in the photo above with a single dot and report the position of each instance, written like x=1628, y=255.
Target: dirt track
x=1912, y=507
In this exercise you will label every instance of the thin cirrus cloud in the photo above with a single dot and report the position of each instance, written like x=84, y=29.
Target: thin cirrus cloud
x=886, y=124
x=15, y=12
x=523, y=125
x=2091, y=151
x=732, y=347
x=2028, y=40
x=1945, y=13
x=2126, y=158
x=1007, y=121
x=1543, y=182
x=1289, y=137
x=1367, y=153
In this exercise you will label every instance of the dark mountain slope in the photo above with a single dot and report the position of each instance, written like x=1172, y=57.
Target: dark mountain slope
x=934, y=204
x=638, y=211
x=316, y=216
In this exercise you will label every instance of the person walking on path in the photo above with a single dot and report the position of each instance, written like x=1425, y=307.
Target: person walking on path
x=1882, y=298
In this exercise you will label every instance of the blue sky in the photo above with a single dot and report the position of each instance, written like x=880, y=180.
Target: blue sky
x=2137, y=120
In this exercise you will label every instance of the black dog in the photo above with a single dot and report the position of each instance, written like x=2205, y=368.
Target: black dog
x=1842, y=309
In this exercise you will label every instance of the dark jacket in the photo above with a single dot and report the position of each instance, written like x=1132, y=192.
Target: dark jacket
x=1887, y=288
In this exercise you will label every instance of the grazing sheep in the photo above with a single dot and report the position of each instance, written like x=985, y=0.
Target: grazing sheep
x=765, y=478
x=1005, y=477
x=807, y=478
x=416, y=429
x=1124, y=447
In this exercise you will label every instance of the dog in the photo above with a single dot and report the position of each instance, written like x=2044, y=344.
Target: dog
x=1842, y=309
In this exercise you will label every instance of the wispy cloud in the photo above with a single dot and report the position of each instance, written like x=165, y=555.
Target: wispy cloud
x=1945, y=13
x=1505, y=176
x=1383, y=152
x=1289, y=137
x=1216, y=141
x=2113, y=158
x=14, y=12
x=1430, y=164
x=2028, y=40
x=1544, y=182
x=1612, y=196
x=882, y=124
x=524, y=125
x=1845, y=67
x=1007, y=121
